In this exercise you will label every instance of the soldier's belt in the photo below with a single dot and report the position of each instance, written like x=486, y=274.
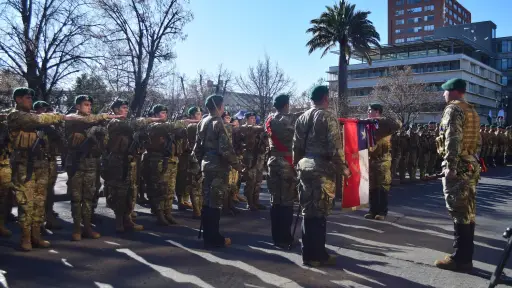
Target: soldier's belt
x=317, y=156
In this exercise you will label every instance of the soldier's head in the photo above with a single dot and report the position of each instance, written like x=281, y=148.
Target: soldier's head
x=159, y=111
x=215, y=105
x=282, y=103
x=23, y=97
x=431, y=125
x=374, y=110
x=250, y=118
x=235, y=122
x=487, y=127
x=120, y=107
x=83, y=104
x=320, y=96
x=195, y=113
x=494, y=128
x=482, y=127
x=501, y=129
x=41, y=107
x=454, y=89
x=226, y=117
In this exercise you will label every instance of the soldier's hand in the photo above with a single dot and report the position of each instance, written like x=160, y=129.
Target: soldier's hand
x=450, y=173
x=346, y=172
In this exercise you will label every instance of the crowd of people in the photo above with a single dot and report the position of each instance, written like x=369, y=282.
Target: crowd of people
x=204, y=159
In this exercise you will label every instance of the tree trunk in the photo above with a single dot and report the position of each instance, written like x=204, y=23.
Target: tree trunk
x=138, y=100
x=342, y=84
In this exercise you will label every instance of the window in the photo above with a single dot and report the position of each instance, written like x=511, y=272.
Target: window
x=413, y=1
x=506, y=46
x=504, y=80
x=398, y=31
x=451, y=22
x=460, y=10
x=481, y=90
x=399, y=12
x=414, y=20
x=400, y=40
x=449, y=2
x=429, y=8
x=415, y=29
x=455, y=6
x=399, y=2
x=414, y=10
x=429, y=28
x=400, y=22
x=450, y=12
x=458, y=18
x=412, y=39
x=472, y=87
x=429, y=18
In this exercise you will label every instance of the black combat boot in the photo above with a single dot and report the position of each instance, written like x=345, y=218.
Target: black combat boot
x=461, y=259
x=214, y=239
x=313, y=251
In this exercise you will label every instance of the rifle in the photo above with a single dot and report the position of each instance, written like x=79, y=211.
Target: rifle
x=33, y=150
x=297, y=217
x=75, y=158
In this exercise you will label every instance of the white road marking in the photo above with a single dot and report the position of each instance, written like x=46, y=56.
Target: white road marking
x=3, y=279
x=266, y=277
x=103, y=285
x=65, y=262
x=356, y=227
x=167, y=272
x=53, y=252
x=113, y=243
x=349, y=283
x=154, y=234
x=362, y=277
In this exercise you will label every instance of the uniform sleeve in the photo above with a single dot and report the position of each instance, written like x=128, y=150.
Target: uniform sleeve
x=299, y=139
x=22, y=119
x=335, y=143
x=225, y=147
x=453, y=135
x=197, y=151
x=140, y=123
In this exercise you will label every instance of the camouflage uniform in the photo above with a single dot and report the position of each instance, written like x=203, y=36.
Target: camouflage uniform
x=30, y=193
x=424, y=155
x=160, y=168
x=508, y=157
x=458, y=143
x=253, y=160
x=380, y=166
x=5, y=176
x=414, y=143
x=432, y=150
x=317, y=155
x=55, y=146
x=501, y=147
x=83, y=151
x=492, y=142
x=404, y=154
x=395, y=153
x=214, y=151
x=281, y=180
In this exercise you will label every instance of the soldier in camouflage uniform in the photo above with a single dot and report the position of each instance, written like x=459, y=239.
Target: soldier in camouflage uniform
x=432, y=148
x=395, y=153
x=121, y=164
x=55, y=145
x=281, y=181
x=483, y=148
x=423, y=155
x=317, y=155
x=254, y=158
x=214, y=151
x=493, y=145
x=502, y=146
x=83, y=151
x=414, y=143
x=459, y=143
x=404, y=154
x=5, y=176
x=380, y=163
x=228, y=207
x=188, y=181
x=508, y=158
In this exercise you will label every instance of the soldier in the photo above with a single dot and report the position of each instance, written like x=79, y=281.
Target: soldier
x=501, y=147
x=508, y=158
x=121, y=165
x=5, y=176
x=317, y=155
x=55, y=145
x=380, y=163
x=424, y=153
x=414, y=143
x=214, y=151
x=459, y=141
x=432, y=148
x=483, y=148
x=254, y=158
x=234, y=175
x=228, y=207
x=160, y=164
x=281, y=180
x=404, y=153
x=395, y=153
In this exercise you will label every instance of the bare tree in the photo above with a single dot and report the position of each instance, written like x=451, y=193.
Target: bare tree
x=303, y=101
x=8, y=82
x=265, y=80
x=143, y=34
x=44, y=41
x=403, y=96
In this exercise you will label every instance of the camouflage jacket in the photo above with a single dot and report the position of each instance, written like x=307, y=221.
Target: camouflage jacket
x=281, y=127
x=382, y=148
x=122, y=133
x=92, y=127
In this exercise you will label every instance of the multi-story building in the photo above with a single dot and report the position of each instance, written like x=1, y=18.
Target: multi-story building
x=463, y=51
x=503, y=48
x=412, y=20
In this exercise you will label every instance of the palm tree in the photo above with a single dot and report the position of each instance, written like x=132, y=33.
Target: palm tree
x=350, y=30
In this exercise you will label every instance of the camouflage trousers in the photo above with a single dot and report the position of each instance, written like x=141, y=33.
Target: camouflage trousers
x=253, y=178
x=423, y=162
x=5, y=186
x=82, y=188
x=281, y=182
x=52, y=179
x=215, y=186
x=233, y=187
x=96, y=197
x=395, y=163
x=380, y=174
x=431, y=167
x=412, y=165
x=402, y=165
x=460, y=194
x=121, y=182
x=317, y=181
x=157, y=177
x=182, y=178
x=30, y=195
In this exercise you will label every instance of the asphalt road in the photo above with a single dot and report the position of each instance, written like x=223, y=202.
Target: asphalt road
x=398, y=252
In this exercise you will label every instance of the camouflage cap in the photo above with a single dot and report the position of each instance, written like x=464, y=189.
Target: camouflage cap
x=454, y=84
x=249, y=114
x=118, y=103
x=212, y=99
x=81, y=98
x=193, y=110
x=22, y=91
x=281, y=100
x=40, y=104
x=319, y=92
x=158, y=108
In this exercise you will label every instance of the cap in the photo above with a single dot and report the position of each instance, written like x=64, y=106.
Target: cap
x=249, y=114
x=40, y=104
x=212, y=99
x=118, y=103
x=158, y=108
x=81, y=98
x=22, y=91
x=376, y=106
x=454, y=84
x=281, y=100
x=431, y=123
x=319, y=92
x=193, y=110
x=494, y=126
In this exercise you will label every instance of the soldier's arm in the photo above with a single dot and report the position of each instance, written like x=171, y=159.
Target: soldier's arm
x=142, y=122
x=197, y=150
x=299, y=139
x=335, y=142
x=225, y=147
x=453, y=135
x=92, y=119
x=24, y=119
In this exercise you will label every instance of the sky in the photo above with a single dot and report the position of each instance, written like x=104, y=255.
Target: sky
x=236, y=33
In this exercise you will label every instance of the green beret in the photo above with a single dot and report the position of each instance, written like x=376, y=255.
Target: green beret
x=158, y=108
x=40, y=104
x=487, y=126
x=431, y=123
x=193, y=110
x=81, y=98
x=482, y=125
x=249, y=114
x=494, y=126
x=376, y=106
x=425, y=126
x=454, y=84
x=210, y=100
x=319, y=92
x=281, y=100
x=22, y=91
x=118, y=103
x=501, y=127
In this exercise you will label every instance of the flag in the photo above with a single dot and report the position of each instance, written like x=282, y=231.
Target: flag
x=358, y=137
